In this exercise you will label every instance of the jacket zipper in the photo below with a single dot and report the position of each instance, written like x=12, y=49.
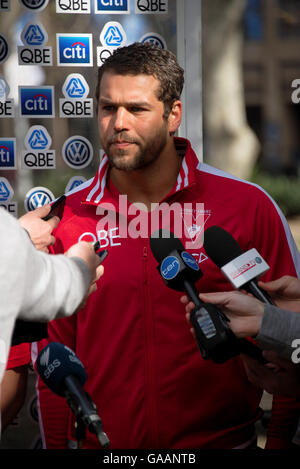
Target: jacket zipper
x=150, y=387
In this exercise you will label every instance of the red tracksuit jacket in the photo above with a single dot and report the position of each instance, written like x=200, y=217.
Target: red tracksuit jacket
x=145, y=373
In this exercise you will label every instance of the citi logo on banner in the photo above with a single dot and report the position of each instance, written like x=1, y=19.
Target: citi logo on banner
x=36, y=101
x=8, y=153
x=112, y=6
x=74, y=50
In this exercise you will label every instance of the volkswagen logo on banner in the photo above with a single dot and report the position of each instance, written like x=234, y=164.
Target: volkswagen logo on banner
x=3, y=49
x=37, y=197
x=36, y=5
x=155, y=39
x=77, y=152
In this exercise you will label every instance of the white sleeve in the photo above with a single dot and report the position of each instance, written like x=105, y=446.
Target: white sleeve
x=35, y=286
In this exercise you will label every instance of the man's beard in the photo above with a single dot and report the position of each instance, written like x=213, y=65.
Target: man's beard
x=144, y=155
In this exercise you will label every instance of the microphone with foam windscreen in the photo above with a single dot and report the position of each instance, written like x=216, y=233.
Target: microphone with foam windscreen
x=241, y=268
x=180, y=271
x=64, y=374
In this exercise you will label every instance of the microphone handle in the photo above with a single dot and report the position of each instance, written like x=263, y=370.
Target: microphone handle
x=193, y=293
x=252, y=287
x=85, y=409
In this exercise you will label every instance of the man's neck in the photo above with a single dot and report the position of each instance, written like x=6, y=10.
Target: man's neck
x=150, y=184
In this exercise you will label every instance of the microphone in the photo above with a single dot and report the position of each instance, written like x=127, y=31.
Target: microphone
x=180, y=271
x=240, y=268
x=64, y=374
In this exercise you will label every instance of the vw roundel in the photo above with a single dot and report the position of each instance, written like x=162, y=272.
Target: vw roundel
x=37, y=197
x=37, y=101
x=77, y=152
x=74, y=50
x=169, y=267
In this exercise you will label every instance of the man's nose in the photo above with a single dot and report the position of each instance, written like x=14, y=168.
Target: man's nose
x=121, y=119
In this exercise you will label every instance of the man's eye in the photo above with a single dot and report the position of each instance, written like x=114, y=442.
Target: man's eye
x=137, y=109
x=108, y=108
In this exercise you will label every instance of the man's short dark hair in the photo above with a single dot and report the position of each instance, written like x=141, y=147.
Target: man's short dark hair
x=144, y=58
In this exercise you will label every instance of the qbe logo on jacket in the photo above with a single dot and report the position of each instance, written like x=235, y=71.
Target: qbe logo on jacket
x=7, y=153
x=36, y=101
x=74, y=50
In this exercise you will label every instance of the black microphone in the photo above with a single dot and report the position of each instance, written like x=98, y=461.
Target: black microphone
x=64, y=374
x=240, y=268
x=180, y=271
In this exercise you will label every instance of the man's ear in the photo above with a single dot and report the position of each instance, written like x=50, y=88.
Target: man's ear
x=174, y=118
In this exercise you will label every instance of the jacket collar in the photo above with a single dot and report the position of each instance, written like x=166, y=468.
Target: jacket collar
x=99, y=192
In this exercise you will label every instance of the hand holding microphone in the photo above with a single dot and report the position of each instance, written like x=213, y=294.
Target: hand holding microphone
x=241, y=269
x=244, y=312
x=180, y=271
x=284, y=291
